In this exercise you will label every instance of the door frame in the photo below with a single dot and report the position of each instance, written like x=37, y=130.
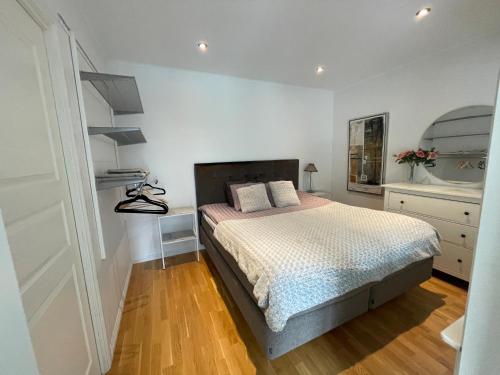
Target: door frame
x=50, y=24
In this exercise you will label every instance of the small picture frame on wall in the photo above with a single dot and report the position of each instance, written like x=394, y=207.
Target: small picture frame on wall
x=366, y=153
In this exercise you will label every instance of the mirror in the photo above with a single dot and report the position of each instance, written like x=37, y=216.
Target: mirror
x=461, y=138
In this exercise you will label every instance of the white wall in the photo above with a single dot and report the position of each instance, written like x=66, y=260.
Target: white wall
x=414, y=95
x=192, y=117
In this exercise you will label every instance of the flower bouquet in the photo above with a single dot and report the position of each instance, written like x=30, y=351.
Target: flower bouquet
x=413, y=158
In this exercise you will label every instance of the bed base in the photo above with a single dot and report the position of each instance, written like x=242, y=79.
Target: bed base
x=314, y=322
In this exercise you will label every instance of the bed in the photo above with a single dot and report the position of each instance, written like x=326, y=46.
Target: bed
x=271, y=317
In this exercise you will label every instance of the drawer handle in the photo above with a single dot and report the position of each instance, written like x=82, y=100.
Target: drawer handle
x=463, y=235
x=402, y=202
x=459, y=260
x=466, y=213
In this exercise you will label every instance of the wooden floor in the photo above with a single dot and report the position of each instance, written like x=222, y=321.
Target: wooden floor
x=182, y=321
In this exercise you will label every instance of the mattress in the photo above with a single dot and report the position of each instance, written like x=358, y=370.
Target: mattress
x=228, y=258
x=316, y=321
x=301, y=259
x=219, y=212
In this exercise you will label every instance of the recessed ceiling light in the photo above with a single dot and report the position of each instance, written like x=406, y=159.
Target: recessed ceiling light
x=320, y=69
x=202, y=46
x=423, y=12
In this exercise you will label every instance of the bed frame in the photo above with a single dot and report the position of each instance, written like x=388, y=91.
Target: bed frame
x=210, y=180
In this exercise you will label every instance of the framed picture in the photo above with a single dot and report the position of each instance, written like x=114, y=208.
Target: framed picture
x=366, y=154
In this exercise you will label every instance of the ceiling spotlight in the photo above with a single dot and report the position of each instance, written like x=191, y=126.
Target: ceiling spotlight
x=202, y=46
x=320, y=69
x=423, y=12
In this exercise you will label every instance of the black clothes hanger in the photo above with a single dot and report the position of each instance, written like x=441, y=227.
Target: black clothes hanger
x=133, y=192
x=163, y=208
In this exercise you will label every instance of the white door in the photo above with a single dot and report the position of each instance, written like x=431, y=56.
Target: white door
x=36, y=205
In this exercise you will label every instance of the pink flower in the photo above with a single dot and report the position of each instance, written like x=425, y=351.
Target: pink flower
x=420, y=154
x=404, y=154
x=432, y=155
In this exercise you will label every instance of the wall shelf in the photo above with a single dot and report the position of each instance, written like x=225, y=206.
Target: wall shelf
x=122, y=135
x=120, y=92
x=110, y=183
x=463, y=155
x=455, y=136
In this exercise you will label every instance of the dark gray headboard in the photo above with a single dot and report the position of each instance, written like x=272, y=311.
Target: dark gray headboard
x=210, y=178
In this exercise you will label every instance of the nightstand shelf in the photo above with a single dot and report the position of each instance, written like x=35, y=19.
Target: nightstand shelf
x=179, y=236
x=177, y=226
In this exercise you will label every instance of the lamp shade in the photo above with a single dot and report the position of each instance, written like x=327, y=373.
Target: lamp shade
x=310, y=168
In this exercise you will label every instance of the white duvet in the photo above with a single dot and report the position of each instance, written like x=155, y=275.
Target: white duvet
x=301, y=259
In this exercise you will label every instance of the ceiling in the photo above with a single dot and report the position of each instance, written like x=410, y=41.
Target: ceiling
x=283, y=40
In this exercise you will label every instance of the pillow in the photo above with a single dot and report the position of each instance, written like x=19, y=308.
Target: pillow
x=253, y=198
x=227, y=189
x=270, y=194
x=284, y=193
x=236, y=199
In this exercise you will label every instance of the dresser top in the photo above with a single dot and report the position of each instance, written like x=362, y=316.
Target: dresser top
x=439, y=191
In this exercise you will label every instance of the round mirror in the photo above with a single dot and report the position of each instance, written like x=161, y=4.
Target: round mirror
x=461, y=138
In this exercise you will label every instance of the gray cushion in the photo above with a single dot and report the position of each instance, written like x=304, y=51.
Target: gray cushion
x=284, y=193
x=253, y=198
x=236, y=199
x=229, y=193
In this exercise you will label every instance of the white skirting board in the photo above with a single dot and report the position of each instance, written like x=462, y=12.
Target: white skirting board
x=118, y=320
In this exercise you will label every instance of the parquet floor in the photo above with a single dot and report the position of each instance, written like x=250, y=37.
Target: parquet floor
x=182, y=321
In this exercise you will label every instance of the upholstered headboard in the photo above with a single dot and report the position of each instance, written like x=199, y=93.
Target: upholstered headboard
x=210, y=178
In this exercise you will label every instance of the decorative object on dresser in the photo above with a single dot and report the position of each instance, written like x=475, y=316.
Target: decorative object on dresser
x=415, y=158
x=178, y=225
x=311, y=168
x=453, y=211
x=462, y=137
x=366, y=153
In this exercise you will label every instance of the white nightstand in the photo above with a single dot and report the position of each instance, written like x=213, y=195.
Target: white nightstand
x=322, y=194
x=178, y=225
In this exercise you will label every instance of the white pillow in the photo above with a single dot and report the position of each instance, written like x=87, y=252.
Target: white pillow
x=284, y=193
x=253, y=198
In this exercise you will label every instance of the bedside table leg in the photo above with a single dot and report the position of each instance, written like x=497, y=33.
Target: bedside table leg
x=195, y=231
x=161, y=243
x=197, y=249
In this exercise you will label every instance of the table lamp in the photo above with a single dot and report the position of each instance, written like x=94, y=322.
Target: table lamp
x=310, y=168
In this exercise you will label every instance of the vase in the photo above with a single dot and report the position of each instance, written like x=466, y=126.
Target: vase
x=411, y=177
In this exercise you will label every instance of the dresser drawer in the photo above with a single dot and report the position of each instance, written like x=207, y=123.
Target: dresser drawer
x=458, y=234
x=459, y=212
x=454, y=260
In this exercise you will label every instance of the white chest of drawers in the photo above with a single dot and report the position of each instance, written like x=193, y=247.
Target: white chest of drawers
x=453, y=211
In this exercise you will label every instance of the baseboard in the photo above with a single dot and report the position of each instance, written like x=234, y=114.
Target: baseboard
x=118, y=320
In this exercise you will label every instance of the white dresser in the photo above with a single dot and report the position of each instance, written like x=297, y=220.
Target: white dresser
x=453, y=211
